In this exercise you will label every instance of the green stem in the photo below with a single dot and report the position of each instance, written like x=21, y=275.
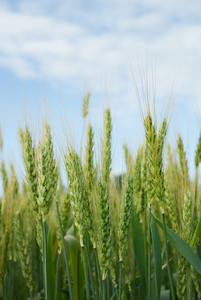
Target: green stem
x=196, y=187
x=31, y=295
x=108, y=286
x=65, y=254
x=90, y=267
x=86, y=274
x=196, y=234
x=57, y=271
x=120, y=279
x=44, y=246
x=167, y=261
x=104, y=289
x=145, y=233
x=134, y=275
x=99, y=273
x=149, y=257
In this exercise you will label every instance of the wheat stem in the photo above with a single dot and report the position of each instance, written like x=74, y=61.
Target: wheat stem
x=167, y=261
x=65, y=254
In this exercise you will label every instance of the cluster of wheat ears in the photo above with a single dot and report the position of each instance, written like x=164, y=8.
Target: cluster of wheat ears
x=134, y=236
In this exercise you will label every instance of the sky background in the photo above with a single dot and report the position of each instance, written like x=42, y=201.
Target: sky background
x=54, y=52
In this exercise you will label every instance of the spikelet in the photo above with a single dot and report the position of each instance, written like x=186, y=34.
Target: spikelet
x=28, y=151
x=125, y=216
x=4, y=177
x=195, y=276
x=155, y=174
x=6, y=224
x=23, y=247
x=64, y=215
x=75, y=195
x=198, y=153
x=170, y=206
x=104, y=232
x=128, y=157
x=4, y=254
x=46, y=173
x=181, y=277
x=187, y=218
x=64, y=206
x=183, y=161
x=138, y=182
x=85, y=105
x=79, y=196
x=106, y=147
x=49, y=162
x=14, y=183
x=88, y=166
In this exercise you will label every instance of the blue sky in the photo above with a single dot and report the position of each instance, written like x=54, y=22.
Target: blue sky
x=56, y=51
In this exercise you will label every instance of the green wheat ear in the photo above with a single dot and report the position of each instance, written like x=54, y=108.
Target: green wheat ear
x=125, y=215
x=104, y=232
x=106, y=147
x=79, y=196
x=128, y=157
x=4, y=177
x=198, y=153
x=46, y=173
x=85, y=105
x=138, y=182
x=24, y=253
x=155, y=173
x=28, y=151
x=183, y=161
x=88, y=166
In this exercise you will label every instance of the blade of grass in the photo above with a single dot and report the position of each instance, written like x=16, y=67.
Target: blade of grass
x=65, y=254
x=157, y=256
x=50, y=261
x=139, y=247
x=85, y=274
x=182, y=247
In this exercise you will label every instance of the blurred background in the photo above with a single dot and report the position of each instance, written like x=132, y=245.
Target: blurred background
x=54, y=52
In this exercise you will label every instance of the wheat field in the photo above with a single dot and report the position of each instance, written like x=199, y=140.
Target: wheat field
x=97, y=236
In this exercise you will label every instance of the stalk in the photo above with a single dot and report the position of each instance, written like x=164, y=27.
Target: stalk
x=104, y=289
x=167, y=261
x=65, y=254
x=108, y=286
x=44, y=245
x=57, y=271
x=89, y=264
x=120, y=279
x=145, y=233
x=86, y=274
x=196, y=234
x=98, y=271
x=149, y=256
x=134, y=274
x=31, y=295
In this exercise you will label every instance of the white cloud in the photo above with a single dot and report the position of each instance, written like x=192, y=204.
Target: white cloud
x=93, y=40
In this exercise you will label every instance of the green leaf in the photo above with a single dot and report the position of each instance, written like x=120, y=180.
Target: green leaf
x=73, y=249
x=139, y=246
x=157, y=256
x=50, y=261
x=182, y=247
